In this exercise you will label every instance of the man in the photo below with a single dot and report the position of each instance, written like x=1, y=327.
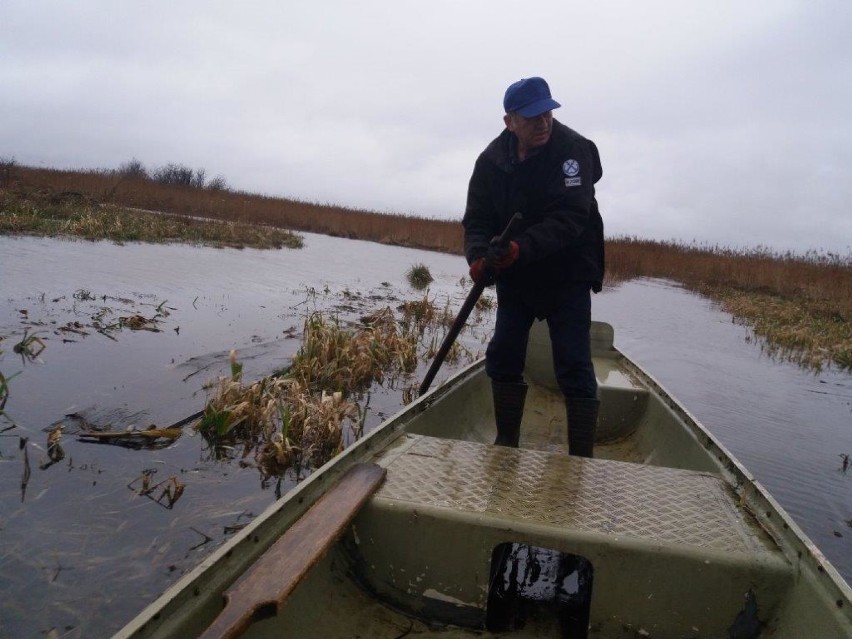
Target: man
x=546, y=171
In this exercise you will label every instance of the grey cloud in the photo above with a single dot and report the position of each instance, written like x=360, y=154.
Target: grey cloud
x=720, y=122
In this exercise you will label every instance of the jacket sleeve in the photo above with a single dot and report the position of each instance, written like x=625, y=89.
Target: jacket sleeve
x=566, y=201
x=480, y=217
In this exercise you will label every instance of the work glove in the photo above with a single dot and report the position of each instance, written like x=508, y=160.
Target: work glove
x=481, y=273
x=501, y=255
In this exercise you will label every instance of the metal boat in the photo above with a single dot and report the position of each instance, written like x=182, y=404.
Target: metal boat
x=424, y=527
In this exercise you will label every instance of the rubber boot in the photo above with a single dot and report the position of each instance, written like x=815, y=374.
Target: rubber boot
x=582, y=423
x=509, y=401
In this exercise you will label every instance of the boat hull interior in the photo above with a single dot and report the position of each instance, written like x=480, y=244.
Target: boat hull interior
x=661, y=535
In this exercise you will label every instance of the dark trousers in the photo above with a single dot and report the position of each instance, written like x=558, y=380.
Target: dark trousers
x=568, y=313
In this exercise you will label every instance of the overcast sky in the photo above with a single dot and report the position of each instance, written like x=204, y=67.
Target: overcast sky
x=718, y=121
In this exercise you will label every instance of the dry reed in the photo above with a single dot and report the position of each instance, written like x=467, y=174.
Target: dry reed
x=799, y=305
x=422, y=314
x=337, y=359
x=298, y=418
x=106, y=187
x=36, y=212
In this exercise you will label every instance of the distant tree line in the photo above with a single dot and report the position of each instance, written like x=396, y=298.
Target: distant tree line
x=173, y=174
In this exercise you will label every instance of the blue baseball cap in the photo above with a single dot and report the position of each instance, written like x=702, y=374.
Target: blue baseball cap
x=529, y=97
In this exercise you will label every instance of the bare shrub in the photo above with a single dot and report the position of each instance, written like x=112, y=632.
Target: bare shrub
x=198, y=178
x=133, y=169
x=7, y=166
x=174, y=174
x=218, y=183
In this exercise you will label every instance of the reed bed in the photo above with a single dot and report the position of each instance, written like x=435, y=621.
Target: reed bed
x=28, y=212
x=791, y=330
x=299, y=418
x=337, y=359
x=800, y=306
x=109, y=187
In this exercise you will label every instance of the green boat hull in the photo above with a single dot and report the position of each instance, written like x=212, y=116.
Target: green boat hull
x=663, y=534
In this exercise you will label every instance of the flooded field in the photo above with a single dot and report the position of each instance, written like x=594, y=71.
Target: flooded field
x=132, y=333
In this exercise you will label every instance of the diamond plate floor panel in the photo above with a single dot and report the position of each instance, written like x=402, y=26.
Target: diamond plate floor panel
x=663, y=505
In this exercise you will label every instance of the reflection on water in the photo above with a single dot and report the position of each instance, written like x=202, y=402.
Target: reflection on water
x=83, y=550
x=539, y=585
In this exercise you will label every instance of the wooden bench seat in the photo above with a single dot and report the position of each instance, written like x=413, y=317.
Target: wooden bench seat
x=264, y=588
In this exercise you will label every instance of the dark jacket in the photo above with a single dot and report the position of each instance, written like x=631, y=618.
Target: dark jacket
x=561, y=240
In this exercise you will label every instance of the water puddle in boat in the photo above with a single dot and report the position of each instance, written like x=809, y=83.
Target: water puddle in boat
x=544, y=588
x=92, y=532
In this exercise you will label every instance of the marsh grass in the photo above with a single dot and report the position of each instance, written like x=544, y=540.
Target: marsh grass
x=799, y=306
x=35, y=213
x=335, y=358
x=282, y=423
x=4, y=393
x=314, y=422
x=420, y=315
x=133, y=191
x=419, y=276
x=791, y=330
x=298, y=418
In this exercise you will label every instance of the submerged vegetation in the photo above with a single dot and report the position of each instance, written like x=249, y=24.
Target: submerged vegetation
x=799, y=306
x=104, y=314
x=30, y=346
x=4, y=394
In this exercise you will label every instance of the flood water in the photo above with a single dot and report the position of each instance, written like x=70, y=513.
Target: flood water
x=81, y=552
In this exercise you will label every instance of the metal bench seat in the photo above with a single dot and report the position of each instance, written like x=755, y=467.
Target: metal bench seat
x=665, y=544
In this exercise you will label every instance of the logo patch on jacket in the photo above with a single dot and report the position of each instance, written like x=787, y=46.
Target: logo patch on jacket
x=570, y=168
x=573, y=181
